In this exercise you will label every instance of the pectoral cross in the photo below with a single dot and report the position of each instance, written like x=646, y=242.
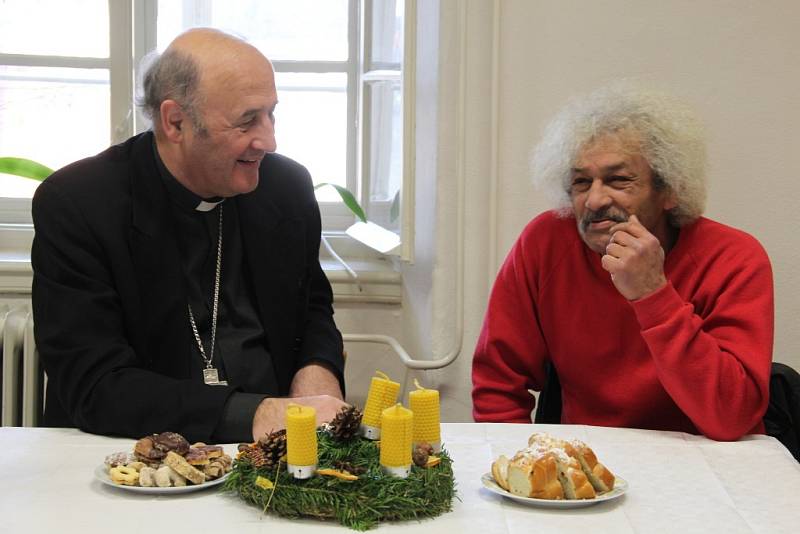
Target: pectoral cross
x=211, y=377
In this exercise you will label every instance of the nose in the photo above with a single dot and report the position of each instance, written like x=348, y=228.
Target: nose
x=597, y=197
x=264, y=136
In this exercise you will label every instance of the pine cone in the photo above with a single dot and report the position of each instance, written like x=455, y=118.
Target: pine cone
x=344, y=465
x=255, y=456
x=274, y=447
x=345, y=425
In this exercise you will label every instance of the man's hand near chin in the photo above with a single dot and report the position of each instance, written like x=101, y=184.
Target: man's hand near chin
x=314, y=385
x=635, y=259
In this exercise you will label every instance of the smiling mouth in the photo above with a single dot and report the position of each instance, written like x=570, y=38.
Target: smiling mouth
x=248, y=162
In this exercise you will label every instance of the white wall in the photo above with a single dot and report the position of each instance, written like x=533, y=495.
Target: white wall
x=505, y=66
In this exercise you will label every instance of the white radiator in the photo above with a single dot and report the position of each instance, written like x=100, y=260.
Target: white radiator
x=22, y=377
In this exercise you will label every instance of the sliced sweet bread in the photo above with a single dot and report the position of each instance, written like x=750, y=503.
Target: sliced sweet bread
x=599, y=476
x=574, y=481
x=500, y=471
x=551, y=468
x=534, y=473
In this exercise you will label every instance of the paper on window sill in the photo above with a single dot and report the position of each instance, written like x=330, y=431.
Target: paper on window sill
x=375, y=236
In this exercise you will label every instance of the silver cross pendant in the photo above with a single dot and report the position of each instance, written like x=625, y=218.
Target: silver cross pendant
x=211, y=377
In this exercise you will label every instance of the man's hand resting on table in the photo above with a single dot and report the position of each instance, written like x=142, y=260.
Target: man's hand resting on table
x=313, y=385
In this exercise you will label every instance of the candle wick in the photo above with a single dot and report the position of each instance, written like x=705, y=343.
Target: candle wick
x=383, y=375
x=416, y=383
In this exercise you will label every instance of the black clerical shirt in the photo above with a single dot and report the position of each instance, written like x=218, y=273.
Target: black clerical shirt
x=241, y=349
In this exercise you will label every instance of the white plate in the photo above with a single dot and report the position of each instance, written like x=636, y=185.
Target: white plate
x=620, y=487
x=101, y=474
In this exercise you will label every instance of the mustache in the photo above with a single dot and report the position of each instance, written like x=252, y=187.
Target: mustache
x=606, y=214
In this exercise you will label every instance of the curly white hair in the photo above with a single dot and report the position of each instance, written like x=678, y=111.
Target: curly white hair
x=669, y=136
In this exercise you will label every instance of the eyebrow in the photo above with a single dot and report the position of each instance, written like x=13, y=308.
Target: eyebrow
x=610, y=168
x=255, y=111
x=249, y=113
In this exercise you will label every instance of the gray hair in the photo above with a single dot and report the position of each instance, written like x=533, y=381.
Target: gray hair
x=172, y=75
x=670, y=138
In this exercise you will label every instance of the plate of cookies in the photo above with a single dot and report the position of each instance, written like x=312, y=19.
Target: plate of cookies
x=165, y=463
x=554, y=473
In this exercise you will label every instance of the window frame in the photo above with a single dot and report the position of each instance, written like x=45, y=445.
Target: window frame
x=17, y=211
x=133, y=32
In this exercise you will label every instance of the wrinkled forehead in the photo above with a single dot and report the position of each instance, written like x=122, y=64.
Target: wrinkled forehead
x=231, y=88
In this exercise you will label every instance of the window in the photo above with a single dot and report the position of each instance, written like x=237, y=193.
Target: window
x=65, y=93
x=54, y=86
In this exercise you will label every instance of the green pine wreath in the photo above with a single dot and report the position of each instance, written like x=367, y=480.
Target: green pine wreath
x=360, y=504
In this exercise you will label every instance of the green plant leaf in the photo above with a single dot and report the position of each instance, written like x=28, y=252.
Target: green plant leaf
x=348, y=198
x=24, y=167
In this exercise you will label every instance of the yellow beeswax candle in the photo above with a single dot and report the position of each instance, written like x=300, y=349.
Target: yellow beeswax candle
x=425, y=405
x=397, y=426
x=382, y=394
x=301, y=440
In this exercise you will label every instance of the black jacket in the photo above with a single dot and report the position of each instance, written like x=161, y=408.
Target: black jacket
x=109, y=298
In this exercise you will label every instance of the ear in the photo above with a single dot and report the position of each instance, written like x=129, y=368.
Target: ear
x=671, y=201
x=173, y=120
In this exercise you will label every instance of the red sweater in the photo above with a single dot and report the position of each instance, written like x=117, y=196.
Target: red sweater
x=694, y=356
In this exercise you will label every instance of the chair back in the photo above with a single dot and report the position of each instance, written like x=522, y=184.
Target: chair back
x=548, y=405
x=782, y=420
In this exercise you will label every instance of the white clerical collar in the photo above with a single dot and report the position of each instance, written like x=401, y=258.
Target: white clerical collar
x=208, y=206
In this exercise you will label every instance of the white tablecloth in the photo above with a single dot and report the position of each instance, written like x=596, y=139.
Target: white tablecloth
x=678, y=483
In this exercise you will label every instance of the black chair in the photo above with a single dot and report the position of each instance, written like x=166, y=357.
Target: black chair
x=782, y=420
x=548, y=406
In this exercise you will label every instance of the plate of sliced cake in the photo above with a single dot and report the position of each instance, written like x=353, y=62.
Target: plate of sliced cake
x=554, y=473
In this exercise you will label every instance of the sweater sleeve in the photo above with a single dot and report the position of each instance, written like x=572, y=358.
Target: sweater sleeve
x=714, y=362
x=509, y=356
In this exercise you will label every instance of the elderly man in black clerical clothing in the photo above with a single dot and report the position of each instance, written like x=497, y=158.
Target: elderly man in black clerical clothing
x=177, y=284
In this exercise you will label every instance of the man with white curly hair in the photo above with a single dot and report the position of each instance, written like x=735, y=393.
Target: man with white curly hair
x=652, y=315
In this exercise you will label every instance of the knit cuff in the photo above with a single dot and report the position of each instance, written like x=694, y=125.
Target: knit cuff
x=657, y=308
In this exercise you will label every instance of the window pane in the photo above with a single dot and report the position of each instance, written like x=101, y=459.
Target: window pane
x=54, y=27
x=311, y=125
x=387, y=34
x=385, y=158
x=52, y=115
x=297, y=30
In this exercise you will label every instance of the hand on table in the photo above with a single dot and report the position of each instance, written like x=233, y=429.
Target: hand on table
x=314, y=385
x=271, y=413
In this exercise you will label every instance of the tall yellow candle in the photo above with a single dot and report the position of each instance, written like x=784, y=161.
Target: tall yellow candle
x=425, y=405
x=301, y=440
x=382, y=394
x=397, y=427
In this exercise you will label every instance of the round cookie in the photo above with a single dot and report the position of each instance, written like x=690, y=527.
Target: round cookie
x=124, y=476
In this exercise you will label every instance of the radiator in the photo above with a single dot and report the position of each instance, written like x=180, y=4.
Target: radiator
x=22, y=377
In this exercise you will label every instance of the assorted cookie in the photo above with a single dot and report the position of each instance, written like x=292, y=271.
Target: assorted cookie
x=167, y=460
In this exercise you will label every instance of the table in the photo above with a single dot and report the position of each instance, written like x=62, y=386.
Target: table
x=678, y=483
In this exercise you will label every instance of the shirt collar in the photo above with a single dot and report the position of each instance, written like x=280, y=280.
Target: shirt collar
x=179, y=194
